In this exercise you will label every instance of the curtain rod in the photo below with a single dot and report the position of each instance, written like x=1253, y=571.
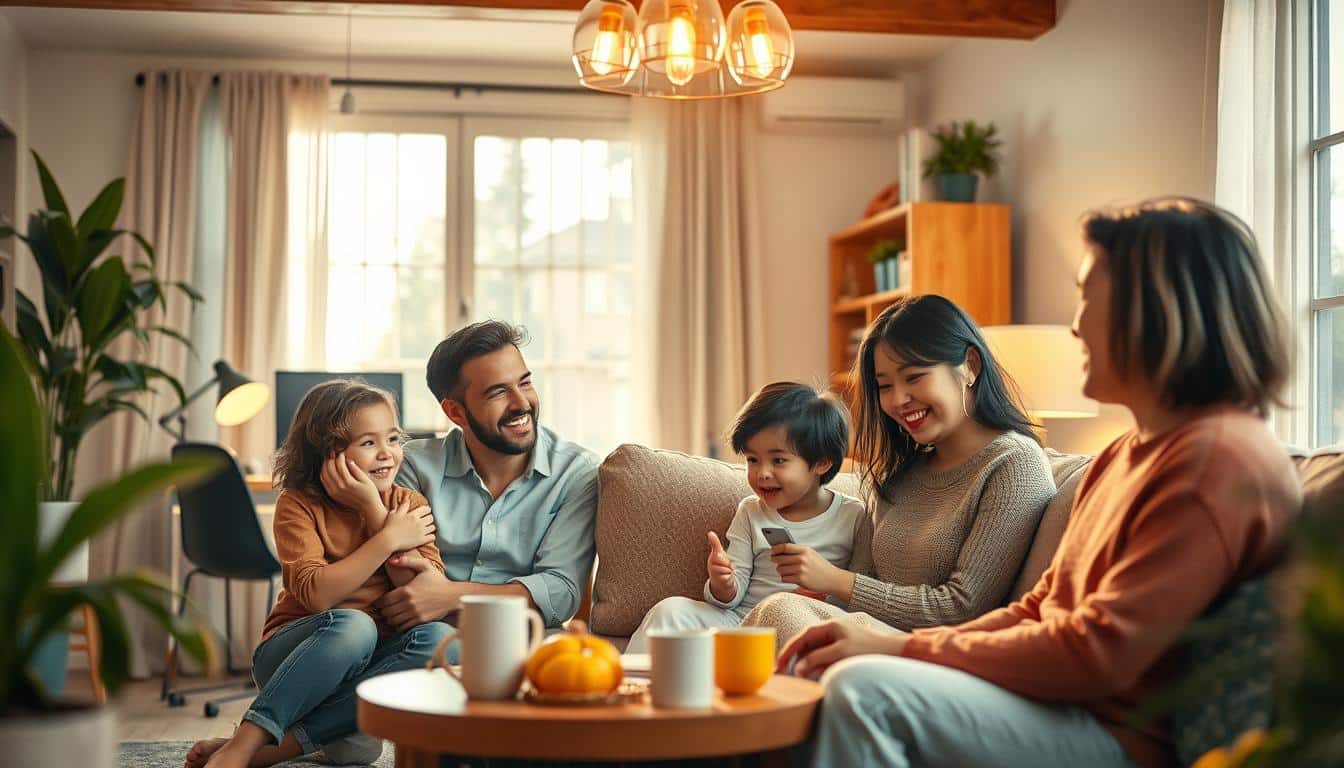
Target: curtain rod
x=429, y=85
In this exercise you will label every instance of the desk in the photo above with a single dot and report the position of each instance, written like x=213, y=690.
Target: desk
x=249, y=597
x=259, y=483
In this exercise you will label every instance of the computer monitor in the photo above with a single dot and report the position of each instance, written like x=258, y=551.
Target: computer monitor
x=291, y=386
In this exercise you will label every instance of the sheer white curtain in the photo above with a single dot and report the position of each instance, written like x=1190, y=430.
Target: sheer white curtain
x=699, y=243
x=159, y=204
x=1255, y=157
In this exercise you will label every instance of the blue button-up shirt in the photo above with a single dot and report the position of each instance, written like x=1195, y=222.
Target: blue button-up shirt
x=539, y=532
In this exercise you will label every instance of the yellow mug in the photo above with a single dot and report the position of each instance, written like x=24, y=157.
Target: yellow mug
x=744, y=658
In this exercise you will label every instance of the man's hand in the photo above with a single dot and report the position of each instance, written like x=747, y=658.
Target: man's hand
x=802, y=565
x=348, y=486
x=821, y=645
x=722, y=584
x=430, y=596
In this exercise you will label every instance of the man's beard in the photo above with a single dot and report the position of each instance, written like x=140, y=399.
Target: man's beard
x=494, y=437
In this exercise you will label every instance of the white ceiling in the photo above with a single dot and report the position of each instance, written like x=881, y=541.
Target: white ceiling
x=529, y=38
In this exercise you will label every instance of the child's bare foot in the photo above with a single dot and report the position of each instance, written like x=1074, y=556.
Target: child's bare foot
x=201, y=752
x=231, y=755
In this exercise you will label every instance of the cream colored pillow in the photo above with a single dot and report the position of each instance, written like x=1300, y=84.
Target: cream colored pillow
x=653, y=509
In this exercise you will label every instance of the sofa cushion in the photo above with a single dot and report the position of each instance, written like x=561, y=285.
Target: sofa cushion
x=1067, y=469
x=1322, y=474
x=653, y=509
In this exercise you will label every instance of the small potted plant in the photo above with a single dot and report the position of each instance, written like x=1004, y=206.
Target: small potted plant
x=885, y=256
x=964, y=149
x=35, y=728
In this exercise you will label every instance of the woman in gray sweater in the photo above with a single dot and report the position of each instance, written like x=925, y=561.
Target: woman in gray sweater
x=956, y=482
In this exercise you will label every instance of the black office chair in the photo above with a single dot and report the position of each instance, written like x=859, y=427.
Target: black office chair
x=222, y=538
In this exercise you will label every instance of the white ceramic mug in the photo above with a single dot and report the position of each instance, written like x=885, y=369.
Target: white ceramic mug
x=495, y=644
x=682, y=670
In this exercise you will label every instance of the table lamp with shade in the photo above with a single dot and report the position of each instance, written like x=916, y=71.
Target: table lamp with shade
x=1046, y=361
x=240, y=398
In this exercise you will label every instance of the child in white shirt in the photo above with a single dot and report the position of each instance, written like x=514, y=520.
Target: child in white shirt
x=794, y=441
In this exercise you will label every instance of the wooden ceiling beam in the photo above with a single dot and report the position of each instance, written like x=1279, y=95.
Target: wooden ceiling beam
x=1023, y=19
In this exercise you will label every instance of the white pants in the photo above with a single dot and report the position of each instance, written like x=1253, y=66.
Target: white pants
x=682, y=613
x=890, y=711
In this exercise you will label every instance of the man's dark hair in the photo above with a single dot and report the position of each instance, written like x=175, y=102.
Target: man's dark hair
x=444, y=371
x=817, y=424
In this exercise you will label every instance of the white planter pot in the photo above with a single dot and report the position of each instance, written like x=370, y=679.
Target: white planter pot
x=85, y=737
x=75, y=569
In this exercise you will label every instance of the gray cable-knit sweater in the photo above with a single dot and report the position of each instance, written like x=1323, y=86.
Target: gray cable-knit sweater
x=948, y=546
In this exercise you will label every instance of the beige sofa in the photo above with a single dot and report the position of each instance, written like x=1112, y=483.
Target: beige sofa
x=654, y=507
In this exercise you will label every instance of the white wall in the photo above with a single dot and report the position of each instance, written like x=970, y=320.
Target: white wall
x=810, y=186
x=1117, y=103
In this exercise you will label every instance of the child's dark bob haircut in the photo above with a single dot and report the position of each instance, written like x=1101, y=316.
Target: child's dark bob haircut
x=818, y=424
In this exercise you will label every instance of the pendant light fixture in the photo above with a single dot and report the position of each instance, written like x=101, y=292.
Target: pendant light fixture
x=682, y=49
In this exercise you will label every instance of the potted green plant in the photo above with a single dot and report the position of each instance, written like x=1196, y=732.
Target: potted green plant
x=35, y=729
x=90, y=300
x=884, y=256
x=964, y=149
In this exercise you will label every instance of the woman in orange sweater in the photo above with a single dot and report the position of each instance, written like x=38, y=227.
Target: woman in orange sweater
x=1179, y=326
x=324, y=635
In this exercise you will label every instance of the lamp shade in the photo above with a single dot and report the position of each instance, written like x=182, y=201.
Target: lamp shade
x=240, y=398
x=1046, y=361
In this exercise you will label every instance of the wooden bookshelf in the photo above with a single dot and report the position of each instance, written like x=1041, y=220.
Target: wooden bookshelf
x=959, y=250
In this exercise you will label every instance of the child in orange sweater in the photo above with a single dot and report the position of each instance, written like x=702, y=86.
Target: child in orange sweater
x=324, y=635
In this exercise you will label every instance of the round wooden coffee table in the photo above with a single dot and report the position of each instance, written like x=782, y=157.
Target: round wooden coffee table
x=427, y=714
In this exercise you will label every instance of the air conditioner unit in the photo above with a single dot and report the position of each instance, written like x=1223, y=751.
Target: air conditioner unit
x=809, y=104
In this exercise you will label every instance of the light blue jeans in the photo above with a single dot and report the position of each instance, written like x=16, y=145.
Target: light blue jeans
x=890, y=711
x=307, y=671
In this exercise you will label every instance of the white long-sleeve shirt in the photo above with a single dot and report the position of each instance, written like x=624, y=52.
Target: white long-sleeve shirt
x=831, y=534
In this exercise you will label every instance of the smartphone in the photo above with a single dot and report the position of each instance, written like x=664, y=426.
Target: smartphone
x=777, y=536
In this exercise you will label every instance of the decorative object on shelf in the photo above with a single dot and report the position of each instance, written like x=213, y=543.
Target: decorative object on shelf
x=91, y=301
x=1046, y=362
x=964, y=149
x=35, y=608
x=682, y=49
x=240, y=398
x=885, y=198
x=885, y=256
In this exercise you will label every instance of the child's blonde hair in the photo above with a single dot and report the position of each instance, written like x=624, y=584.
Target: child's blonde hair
x=321, y=427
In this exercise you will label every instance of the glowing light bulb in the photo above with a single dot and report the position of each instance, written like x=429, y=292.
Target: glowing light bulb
x=680, y=50
x=760, y=50
x=609, y=48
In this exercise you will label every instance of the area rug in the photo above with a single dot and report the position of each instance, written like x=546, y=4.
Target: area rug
x=169, y=754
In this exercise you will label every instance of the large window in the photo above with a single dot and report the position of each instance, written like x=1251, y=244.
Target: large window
x=1327, y=163
x=435, y=223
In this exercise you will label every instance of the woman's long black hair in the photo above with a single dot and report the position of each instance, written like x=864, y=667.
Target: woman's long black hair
x=925, y=330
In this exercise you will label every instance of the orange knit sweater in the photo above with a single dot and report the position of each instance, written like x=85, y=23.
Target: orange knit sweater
x=311, y=532
x=1159, y=528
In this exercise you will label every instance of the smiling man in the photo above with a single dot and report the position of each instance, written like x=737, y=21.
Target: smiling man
x=514, y=504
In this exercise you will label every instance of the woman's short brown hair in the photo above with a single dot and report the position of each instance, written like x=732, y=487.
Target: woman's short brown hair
x=1191, y=310
x=321, y=427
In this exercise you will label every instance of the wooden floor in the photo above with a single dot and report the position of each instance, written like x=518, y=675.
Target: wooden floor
x=144, y=718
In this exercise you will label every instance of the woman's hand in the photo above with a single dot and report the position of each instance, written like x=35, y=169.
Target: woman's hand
x=802, y=565
x=408, y=529
x=349, y=486
x=821, y=645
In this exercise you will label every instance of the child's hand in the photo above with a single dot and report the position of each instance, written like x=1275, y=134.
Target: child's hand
x=721, y=582
x=802, y=565
x=408, y=529
x=347, y=484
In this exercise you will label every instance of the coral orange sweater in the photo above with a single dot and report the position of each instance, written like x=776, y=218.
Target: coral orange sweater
x=1159, y=528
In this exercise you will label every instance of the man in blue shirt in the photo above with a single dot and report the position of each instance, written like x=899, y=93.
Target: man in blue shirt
x=513, y=504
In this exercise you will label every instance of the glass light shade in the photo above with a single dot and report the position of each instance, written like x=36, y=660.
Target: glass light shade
x=680, y=39
x=1046, y=361
x=606, y=48
x=240, y=398
x=760, y=44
